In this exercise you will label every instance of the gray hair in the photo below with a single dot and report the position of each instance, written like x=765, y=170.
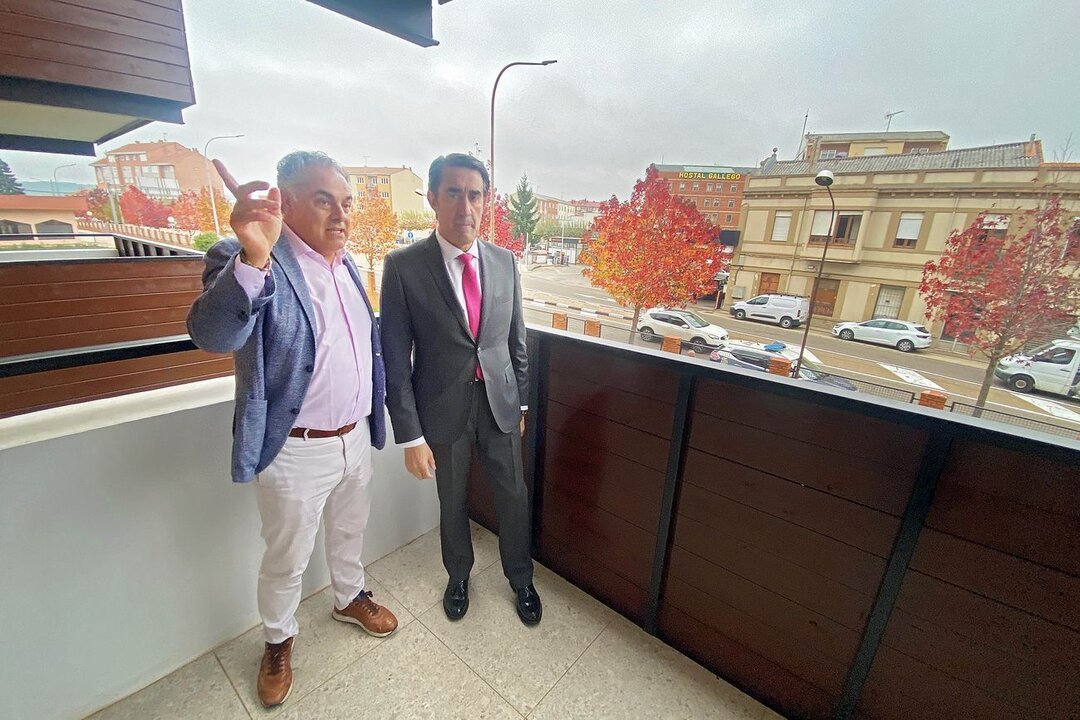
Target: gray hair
x=293, y=164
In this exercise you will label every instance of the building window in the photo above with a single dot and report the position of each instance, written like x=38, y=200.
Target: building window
x=384, y=180
x=734, y=188
x=731, y=203
x=727, y=218
x=708, y=188
x=907, y=232
x=919, y=150
x=682, y=187
x=708, y=202
x=828, y=154
x=889, y=299
x=873, y=151
x=384, y=194
x=781, y=226
x=697, y=186
x=847, y=227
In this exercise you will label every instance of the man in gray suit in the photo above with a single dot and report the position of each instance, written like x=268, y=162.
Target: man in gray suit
x=457, y=375
x=287, y=300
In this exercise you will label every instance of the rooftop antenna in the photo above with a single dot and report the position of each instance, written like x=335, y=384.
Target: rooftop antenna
x=889, y=117
x=365, y=159
x=802, y=137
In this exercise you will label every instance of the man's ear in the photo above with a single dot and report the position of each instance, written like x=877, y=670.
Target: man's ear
x=431, y=198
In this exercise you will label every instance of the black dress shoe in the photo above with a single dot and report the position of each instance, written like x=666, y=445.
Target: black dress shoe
x=529, y=608
x=455, y=600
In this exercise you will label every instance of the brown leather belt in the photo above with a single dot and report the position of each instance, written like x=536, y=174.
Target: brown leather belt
x=299, y=432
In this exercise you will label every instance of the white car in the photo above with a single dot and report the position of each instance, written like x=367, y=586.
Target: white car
x=689, y=327
x=900, y=334
x=787, y=311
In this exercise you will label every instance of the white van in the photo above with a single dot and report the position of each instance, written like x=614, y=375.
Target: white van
x=1053, y=368
x=787, y=311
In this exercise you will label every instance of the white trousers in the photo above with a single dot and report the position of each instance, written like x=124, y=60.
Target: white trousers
x=309, y=479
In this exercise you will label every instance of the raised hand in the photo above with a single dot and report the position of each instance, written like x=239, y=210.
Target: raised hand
x=257, y=223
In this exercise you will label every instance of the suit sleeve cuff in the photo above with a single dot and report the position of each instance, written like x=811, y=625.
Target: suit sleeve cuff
x=413, y=443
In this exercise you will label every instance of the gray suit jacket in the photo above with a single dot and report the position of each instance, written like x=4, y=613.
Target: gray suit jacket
x=428, y=393
x=272, y=339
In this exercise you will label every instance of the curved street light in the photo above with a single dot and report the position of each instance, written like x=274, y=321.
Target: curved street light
x=491, y=149
x=210, y=178
x=56, y=186
x=825, y=179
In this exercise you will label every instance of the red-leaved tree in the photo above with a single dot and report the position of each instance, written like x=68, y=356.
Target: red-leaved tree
x=1004, y=290
x=653, y=250
x=98, y=205
x=504, y=233
x=140, y=209
x=192, y=210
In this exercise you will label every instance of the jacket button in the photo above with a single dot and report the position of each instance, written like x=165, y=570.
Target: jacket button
x=309, y=368
x=242, y=315
x=295, y=411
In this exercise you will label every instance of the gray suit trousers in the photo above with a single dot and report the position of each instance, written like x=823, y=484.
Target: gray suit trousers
x=500, y=459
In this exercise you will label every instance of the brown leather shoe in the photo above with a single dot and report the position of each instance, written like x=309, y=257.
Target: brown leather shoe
x=365, y=612
x=275, y=673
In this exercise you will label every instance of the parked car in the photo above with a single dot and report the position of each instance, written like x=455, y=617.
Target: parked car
x=1054, y=368
x=689, y=327
x=756, y=356
x=787, y=311
x=900, y=334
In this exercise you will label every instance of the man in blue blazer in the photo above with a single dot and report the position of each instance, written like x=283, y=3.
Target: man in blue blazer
x=286, y=299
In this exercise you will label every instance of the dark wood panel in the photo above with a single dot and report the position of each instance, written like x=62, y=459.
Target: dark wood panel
x=91, y=306
x=809, y=550
x=1039, y=690
x=52, y=378
x=622, y=487
x=878, y=485
x=1003, y=524
x=624, y=548
x=93, y=337
x=834, y=517
x=60, y=327
x=146, y=11
x=944, y=695
x=641, y=447
x=91, y=17
x=32, y=273
x=598, y=367
x=89, y=77
x=566, y=558
x=51, y=51
x=804, y=627
x=90, y=38
x=121, y=380
x=94, y=288
x=756, y=675
x=880, y=440
x=884, y=702
x=825, y=596
x=1038, y=641
x=770, y=643
x=1041, y=591
x=645, y=414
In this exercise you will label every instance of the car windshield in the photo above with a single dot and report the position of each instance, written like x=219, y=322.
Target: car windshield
x=693, y=319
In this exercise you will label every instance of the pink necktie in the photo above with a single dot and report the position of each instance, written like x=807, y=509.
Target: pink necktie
x=471, y=287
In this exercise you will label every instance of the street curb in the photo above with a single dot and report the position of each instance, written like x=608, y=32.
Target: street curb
x=605, y=313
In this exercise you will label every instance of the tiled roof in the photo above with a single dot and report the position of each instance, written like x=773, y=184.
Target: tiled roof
x=1010, y=155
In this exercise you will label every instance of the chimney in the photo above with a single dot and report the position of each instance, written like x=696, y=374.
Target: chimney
x=1031, y=147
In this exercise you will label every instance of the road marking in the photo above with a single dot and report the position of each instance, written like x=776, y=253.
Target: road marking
x=911, y=377
x=1051, y=408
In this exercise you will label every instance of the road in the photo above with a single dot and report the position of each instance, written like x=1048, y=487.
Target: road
x=957, y=376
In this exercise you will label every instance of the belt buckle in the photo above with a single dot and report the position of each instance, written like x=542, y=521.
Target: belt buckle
x=305, y=433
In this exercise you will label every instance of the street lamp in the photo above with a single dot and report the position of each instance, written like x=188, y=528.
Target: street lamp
x=825, y=179
x=491, y=154
x=54, y=183
x=210, y=178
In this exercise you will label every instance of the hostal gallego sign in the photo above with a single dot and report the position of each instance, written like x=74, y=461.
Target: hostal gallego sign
x=709, y=176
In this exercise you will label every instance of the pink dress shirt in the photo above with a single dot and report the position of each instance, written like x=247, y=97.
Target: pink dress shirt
x=340, y=388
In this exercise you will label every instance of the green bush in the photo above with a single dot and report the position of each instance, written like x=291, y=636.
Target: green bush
x=204, y=240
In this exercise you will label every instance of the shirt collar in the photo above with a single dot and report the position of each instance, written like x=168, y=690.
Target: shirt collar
x=450, y=252
x=299, y=247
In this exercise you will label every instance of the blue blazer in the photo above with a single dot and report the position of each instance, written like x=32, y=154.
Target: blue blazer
x=272, y=339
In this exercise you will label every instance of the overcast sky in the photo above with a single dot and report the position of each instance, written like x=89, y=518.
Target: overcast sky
x=706, y=82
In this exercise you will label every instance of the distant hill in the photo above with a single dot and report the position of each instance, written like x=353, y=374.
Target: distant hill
x=45, y=187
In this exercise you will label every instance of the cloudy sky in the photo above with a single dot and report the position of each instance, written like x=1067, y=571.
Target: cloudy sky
x=704, y=82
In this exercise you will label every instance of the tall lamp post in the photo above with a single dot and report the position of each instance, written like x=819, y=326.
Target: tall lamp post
x=55, y=187
x=825, y=179
x=491, y=153
x=210, y=177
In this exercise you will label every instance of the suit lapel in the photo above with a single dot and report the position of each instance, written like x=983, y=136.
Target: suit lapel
x=283, y=254
x=437, y=268
x=486, y=286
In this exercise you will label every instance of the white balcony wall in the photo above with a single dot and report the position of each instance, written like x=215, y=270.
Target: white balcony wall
x=126, y=551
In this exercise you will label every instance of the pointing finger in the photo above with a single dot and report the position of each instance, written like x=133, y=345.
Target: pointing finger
x=226, y=177
x=247, y=188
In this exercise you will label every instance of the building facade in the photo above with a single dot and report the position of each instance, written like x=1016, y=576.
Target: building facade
x=399, y=186
x=894, y=214
x=715, y=190
x=161, y=169
x=837, y=146
x=27, y=214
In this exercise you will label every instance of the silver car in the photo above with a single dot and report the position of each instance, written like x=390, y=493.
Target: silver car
x=900, y=334
x=689, y=327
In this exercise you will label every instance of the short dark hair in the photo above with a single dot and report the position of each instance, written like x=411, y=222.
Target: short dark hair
x=458, y=160
x=296, y=162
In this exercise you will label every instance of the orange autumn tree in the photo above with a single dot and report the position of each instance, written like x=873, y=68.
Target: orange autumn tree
x=192, y=211
x=652, y=250
x=373, y=229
